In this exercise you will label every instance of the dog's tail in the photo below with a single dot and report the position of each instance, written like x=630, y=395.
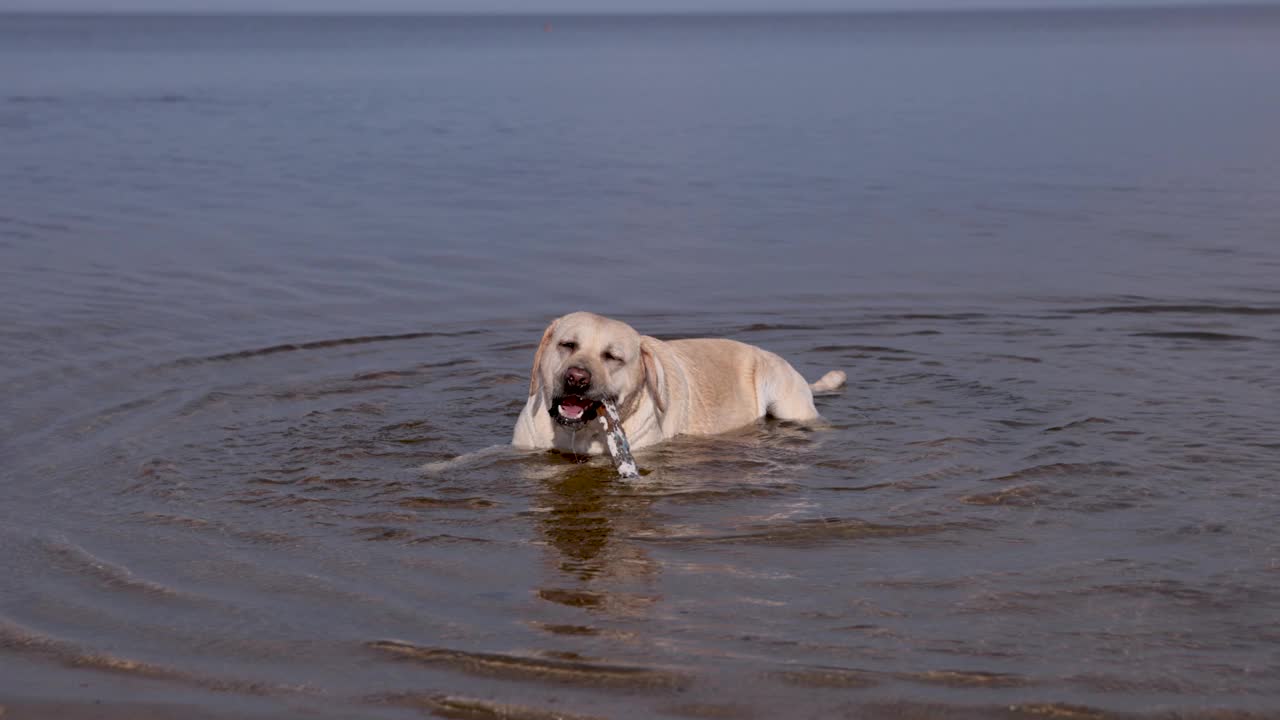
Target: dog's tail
x=828, y=382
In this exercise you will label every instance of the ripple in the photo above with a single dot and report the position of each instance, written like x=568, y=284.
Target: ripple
x=147, y=99
x=320, y=345
x=1104, y=468
x=1059, y=711
x=967, y=679
x=770, y=327
x=432, y=503
x=711, y=711
x=33, y=99
x=16, y=638
x=838, y=678
x=561, y=629
x=1079, y=423
x=521, y=667
x=1113, y=684
x=804, y=532
x=1021, y=496
x=1196, y=335
x=454, y=706
x=861, y=349
x=82, y=562
x=850, y=678
x=267, y=537
x=708, y=495
x=1173, y=309
x=572, y=598
x=962, y=316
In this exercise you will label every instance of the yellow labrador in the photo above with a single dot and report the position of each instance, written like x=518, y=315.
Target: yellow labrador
x=661, y=389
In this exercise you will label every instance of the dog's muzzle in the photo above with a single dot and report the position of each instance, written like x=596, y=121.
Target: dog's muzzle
x=573, y=410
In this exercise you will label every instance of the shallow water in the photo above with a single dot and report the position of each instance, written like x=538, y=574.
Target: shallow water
x=264, y=280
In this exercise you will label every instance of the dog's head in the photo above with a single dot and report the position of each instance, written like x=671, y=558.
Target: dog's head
x=584, y=359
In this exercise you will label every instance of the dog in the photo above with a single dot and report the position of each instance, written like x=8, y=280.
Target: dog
x=661, y=389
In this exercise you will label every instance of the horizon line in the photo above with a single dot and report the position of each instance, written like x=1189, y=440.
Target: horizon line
x=1071, y=7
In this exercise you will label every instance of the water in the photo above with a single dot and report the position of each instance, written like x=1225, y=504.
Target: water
x=256, y=272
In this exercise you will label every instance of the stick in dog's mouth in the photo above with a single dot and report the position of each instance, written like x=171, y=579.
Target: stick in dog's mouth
x=616, y=439
x=574, y=411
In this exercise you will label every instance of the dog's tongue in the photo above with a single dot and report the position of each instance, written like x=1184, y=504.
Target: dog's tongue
x=572, y=406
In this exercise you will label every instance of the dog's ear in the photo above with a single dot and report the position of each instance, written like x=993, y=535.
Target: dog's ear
x=655, y=378
x=535, y=374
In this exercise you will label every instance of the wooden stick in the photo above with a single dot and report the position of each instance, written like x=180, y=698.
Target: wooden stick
x=619, y=448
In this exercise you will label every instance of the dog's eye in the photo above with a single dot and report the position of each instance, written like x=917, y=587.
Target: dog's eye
x=569, y=345
x=612, y=358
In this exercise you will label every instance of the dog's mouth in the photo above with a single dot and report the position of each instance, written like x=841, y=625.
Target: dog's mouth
x=573, y=409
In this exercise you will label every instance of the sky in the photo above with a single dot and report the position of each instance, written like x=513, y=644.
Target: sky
x=534, y=6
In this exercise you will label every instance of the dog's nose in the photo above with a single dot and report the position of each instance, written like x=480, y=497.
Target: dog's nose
x=576, y=377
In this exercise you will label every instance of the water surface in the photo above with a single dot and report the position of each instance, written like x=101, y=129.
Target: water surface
x=255, y=273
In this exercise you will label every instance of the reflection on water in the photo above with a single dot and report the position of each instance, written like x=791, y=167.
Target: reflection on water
x=578, y=519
